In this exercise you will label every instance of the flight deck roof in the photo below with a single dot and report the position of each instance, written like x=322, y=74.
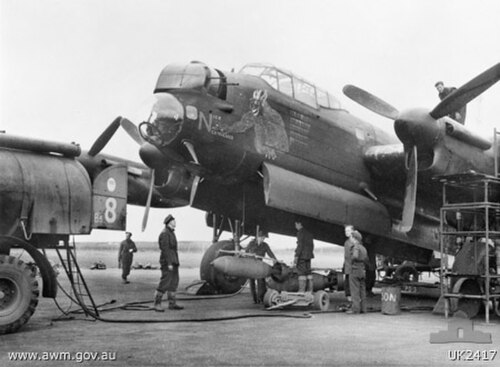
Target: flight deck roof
x=292, y=85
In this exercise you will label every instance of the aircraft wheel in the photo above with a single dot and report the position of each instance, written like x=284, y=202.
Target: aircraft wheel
x=271, y=298
x=406, y=273
x=470, y=306
x=496, y=306
x=321, y=301
x=18, y=293
x=222, y=283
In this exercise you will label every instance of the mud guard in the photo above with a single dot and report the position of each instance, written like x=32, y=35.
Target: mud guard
x=47, y=273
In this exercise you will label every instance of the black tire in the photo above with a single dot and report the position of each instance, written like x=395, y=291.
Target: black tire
x=321, y=301
x=496, y=306
x=406, y=273
x=18, y=293
x=271, y=298
x=222, y=283
x=471, y=307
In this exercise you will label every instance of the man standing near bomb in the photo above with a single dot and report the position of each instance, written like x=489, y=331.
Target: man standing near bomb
x=169, y=262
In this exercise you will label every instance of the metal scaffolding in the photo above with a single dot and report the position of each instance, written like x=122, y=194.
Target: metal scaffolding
x=471, y=200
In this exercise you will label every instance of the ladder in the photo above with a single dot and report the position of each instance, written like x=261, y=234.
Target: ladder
x=75, y=276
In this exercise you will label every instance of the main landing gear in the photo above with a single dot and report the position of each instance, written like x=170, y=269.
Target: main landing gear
x=216, y=281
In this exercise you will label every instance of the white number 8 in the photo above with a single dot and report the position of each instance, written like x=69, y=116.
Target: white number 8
x=110, y=213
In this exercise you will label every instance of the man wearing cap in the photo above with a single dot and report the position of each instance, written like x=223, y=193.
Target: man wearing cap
x=126, y=255
x=303, y=255
x=169, y=262
x=357, y=278
x=348, y=230
x=260, y=248
x=444, y=92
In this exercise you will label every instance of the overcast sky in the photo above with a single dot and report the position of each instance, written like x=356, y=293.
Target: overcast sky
x=68, y=68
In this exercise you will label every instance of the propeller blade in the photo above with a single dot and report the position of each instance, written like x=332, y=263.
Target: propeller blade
x=194, y=188
x=467, y=92
x=148, y=201
x=371, y=102
x=132, y=130
x=105, y=137
x=189, y=146
x=410, y=193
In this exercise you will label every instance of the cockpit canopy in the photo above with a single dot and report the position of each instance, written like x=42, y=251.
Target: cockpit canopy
x=292, y=85
x=195, y=75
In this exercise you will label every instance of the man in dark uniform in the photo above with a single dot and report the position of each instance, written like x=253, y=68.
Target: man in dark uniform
x=260, y=248
x=371, y=268
x=444, y=92
x=303, y=255
x=357, y=278
x=126, y=255
x=169, y=262
x=348, y=230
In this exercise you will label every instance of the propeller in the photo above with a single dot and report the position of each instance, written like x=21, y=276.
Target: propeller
x=371, y=102
x=105, y=137
x=107, y=134
x=467, y=92
x=410, y=192
x=132, y=130
x=416, y=128
x=148, y=201
x=197, y=179
x=152, y=156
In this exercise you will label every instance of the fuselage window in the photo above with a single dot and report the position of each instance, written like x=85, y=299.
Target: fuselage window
x=290, y=85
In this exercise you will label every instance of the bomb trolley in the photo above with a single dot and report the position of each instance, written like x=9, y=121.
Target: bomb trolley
x=282, y=280
x=283, y=288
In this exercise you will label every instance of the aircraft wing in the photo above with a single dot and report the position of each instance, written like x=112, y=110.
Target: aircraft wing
x=139, y=177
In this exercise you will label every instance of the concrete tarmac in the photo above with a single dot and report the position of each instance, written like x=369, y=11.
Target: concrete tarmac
x=233, y=331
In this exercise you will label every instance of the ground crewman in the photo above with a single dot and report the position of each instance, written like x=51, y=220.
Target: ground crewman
x=259, y=248
x=304, y=252
x=126, y=256
x=169, y=262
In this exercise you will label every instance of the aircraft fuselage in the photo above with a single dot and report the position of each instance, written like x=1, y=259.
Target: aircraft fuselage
x=238, y=124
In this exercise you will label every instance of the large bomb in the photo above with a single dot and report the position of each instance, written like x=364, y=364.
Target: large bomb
x=242, y=267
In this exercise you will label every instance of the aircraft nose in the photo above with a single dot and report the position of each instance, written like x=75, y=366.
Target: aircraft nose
x=165, y=122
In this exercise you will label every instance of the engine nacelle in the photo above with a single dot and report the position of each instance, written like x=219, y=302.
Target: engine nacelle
x=177, y=183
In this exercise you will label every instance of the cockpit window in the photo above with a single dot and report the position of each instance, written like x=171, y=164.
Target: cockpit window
x=194, y=75
x=293, y=86
x=334, y=102
x=323, y=98
x=269, y=75
x=190, y=76
x=253, y=70
x=285, y=84
x=305, y=92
